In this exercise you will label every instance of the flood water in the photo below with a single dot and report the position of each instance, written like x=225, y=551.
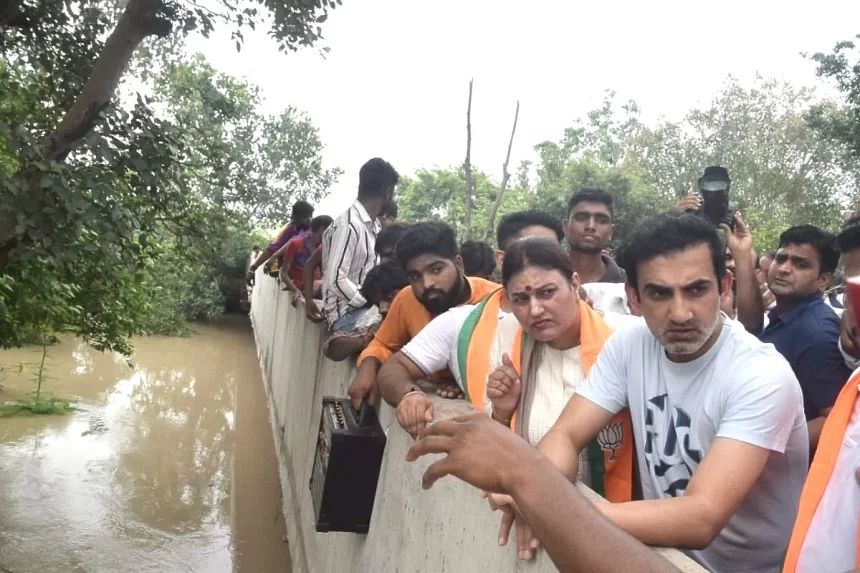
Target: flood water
x=167, y=467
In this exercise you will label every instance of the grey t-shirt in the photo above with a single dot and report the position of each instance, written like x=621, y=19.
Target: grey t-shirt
x=741, y=389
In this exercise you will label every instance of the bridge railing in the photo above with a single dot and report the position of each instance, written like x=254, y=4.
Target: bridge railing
x=449, y=528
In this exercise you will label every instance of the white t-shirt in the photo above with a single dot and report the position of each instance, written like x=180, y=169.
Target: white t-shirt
x=435, y=347
x=608, y=297
x=831, y=542
x=740, y=389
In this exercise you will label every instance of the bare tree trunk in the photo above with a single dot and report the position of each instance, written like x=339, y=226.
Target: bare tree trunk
x=467, y=166
x=139, y=20
x=506, y=176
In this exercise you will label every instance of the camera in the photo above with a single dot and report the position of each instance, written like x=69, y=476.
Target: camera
x=714, y=186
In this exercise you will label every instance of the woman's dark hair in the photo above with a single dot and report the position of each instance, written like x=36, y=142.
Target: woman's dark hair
x=540, y=252
x=427, y=239
x=320, y=222
x=666, y=234
x=302, y=208
x=382, y=280
x=479, y=260
x=512, y=225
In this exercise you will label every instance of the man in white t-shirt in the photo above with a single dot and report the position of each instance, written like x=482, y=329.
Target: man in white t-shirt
x=718, y=419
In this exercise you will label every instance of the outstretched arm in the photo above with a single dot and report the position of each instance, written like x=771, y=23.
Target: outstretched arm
x=491, y=457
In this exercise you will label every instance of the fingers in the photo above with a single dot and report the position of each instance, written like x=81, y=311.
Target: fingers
x=430, y=445
x=505, y=528
x=524, y=539
x=740, y=226
x=373, y=395
x=506, y=360
x=413, y=413
x=438, y=470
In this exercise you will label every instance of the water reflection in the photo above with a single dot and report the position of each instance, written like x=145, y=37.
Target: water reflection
x=140, y=477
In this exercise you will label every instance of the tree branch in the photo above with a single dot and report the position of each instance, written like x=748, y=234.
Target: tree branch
x=140, y=19
x=467, y=166
x=491, y=224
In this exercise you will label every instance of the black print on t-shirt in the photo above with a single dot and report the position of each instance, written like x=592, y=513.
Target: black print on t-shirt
x=668, y=453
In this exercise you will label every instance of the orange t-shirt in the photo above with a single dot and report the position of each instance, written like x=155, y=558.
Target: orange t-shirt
x=407, y=316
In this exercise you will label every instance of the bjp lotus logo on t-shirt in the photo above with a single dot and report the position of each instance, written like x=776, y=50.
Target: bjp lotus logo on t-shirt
x=669, y=453
x=610, y=439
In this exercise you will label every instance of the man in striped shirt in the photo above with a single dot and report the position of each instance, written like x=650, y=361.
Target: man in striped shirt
x=348, y=249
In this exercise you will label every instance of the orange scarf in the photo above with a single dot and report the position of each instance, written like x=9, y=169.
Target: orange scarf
x=829, y=446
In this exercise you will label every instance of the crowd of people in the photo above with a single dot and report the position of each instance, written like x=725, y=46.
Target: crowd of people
x=705, y=391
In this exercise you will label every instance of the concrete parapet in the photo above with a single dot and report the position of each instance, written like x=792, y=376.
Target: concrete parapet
x=447, y=529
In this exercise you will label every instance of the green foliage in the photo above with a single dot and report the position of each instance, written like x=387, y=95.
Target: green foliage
x=783, y=171
x=137, y=229
x=437, y=195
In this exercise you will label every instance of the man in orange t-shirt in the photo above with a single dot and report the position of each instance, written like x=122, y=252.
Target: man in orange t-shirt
x=429, y=253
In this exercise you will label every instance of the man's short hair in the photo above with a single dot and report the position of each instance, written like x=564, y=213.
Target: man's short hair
x=320, y=222
x=382, y=280
x=389, y=237
x=592, y=195
x=427, y=239
x=302, y=208
x=667, y=234
x=818, y=239
x=512, y=225
x=390, y=208
x=375, y=178
x=848, y=238
x=479, y=259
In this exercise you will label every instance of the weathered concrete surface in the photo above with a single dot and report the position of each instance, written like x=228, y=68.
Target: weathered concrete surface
x=449, y=528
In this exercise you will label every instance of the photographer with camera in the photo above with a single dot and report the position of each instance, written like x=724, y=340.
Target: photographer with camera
x=743, y=301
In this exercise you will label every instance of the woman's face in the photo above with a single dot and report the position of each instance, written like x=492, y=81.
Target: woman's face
x=545, y=302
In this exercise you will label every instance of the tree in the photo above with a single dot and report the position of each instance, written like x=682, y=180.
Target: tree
x=30, y=31
x=437, y=195
x=142, y=209
x=783, y=171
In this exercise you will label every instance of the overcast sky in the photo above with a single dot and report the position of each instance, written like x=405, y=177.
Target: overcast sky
x=395, y=83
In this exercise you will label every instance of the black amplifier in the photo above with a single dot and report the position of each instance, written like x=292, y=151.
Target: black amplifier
x=347, y=461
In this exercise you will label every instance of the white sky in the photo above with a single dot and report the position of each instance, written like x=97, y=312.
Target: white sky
x=395, y=83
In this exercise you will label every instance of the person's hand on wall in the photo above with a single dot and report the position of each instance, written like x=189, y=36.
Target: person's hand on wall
x=527, y=543
x=312, y=312
x=503, y=389
x=479, y=451
x=450, y=391
x=414, y=412
x=363, y=388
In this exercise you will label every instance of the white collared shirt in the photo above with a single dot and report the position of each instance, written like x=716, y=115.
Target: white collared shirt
x=348, y=255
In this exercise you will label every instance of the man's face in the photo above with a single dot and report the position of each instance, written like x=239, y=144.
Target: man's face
x=384, y=303
x=436, y=281
x=544, y=301
x=303, y=222
x=796, y=273
x=532, y=231
x=679, y=297
x=589, y=228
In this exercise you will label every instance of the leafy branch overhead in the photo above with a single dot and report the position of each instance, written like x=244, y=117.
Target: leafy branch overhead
x=99, y=190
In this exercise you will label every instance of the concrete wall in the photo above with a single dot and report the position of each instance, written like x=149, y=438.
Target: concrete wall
x=449, y=528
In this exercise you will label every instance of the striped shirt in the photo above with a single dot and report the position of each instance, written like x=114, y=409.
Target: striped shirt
x=348, y=255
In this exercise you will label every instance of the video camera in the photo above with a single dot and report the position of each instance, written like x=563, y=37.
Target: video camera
x=714, y=186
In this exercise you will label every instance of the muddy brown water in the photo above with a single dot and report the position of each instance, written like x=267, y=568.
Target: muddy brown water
x=166, y=467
